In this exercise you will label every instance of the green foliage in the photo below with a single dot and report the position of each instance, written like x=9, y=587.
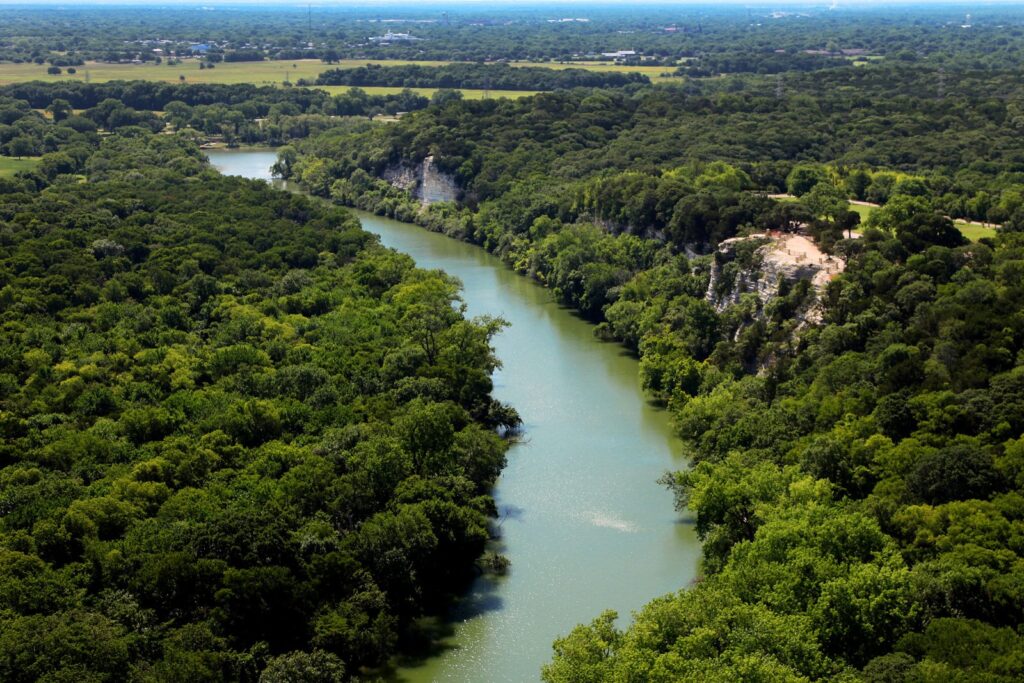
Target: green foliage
x=864, y=491
x=240, y=439
x=478, y=76
x=804, y=178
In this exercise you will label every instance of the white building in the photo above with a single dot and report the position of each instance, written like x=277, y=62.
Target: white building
x=390, y=37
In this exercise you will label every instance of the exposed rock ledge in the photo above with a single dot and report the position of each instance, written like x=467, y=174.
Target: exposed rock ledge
x=424, y=181
x=783, y=258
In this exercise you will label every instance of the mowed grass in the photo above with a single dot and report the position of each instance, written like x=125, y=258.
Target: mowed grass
x=263, y=73
x=972, y=231
x=257, y=73
x=260, y=73
x=10, y=165
x=862, y=210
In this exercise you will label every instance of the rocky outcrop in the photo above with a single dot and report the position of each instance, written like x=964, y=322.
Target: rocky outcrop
x=424, y=181
x=761, y=269
x=403, y=176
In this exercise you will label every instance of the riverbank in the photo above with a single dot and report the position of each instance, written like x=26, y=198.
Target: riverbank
x=582, y=517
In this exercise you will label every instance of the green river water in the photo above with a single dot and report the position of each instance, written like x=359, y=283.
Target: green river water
x=582, y=519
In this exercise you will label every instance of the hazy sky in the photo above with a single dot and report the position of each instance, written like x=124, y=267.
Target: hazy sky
x=575, y=5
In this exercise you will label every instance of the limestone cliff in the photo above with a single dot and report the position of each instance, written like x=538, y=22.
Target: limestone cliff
x=760, y=264
x=424, y=181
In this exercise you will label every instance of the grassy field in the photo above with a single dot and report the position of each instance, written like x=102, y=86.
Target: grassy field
x=9, y=165
x=276, y=72
x=863, y=211
x=972, y=231
x=260, y=73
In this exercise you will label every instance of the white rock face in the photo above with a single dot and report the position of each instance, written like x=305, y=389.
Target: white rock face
x=402, y=176
x=435, y=185
x=783, y=258
x=424, y=182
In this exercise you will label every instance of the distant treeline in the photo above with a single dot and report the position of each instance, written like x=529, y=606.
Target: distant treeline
x=758, y=62
x=153, y=95
x=481, y=76
x=240, y=113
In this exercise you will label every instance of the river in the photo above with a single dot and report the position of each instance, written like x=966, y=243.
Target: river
x=582, y=519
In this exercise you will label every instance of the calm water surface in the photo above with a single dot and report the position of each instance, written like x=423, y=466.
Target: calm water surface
x=583, y=521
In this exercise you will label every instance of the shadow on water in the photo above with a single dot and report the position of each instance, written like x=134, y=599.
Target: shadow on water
x=510, y=512
x=430, y=636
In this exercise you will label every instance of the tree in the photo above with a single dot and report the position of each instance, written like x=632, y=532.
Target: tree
x=60, y=109
x=444, y=96
x=825, y=199
x=585, y=655
x=804, y=177
x=286, y=158
x=861, y=615
x=304, y=667
x=21, y=146
x=856, y=183
x=957, y=472
x=427, y=431
x=924, y=229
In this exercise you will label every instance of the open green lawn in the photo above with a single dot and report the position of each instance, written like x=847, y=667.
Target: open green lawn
x=260, y=73
x=274, y=73
x=864, y=211
x=973, y=231
x=9, y=165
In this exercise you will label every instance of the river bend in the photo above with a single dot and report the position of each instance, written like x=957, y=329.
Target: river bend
x=583, y=520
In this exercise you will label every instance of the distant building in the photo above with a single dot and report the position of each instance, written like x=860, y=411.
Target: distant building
x=620, y=54
x=390, y=37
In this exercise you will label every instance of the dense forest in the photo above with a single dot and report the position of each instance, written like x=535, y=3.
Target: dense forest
x=479, y=76
x=738, y=39
x=239, y=113
x=857, y=456
x=244, y=442
x=865, y=128
x=240, y=439
x=860, y=499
